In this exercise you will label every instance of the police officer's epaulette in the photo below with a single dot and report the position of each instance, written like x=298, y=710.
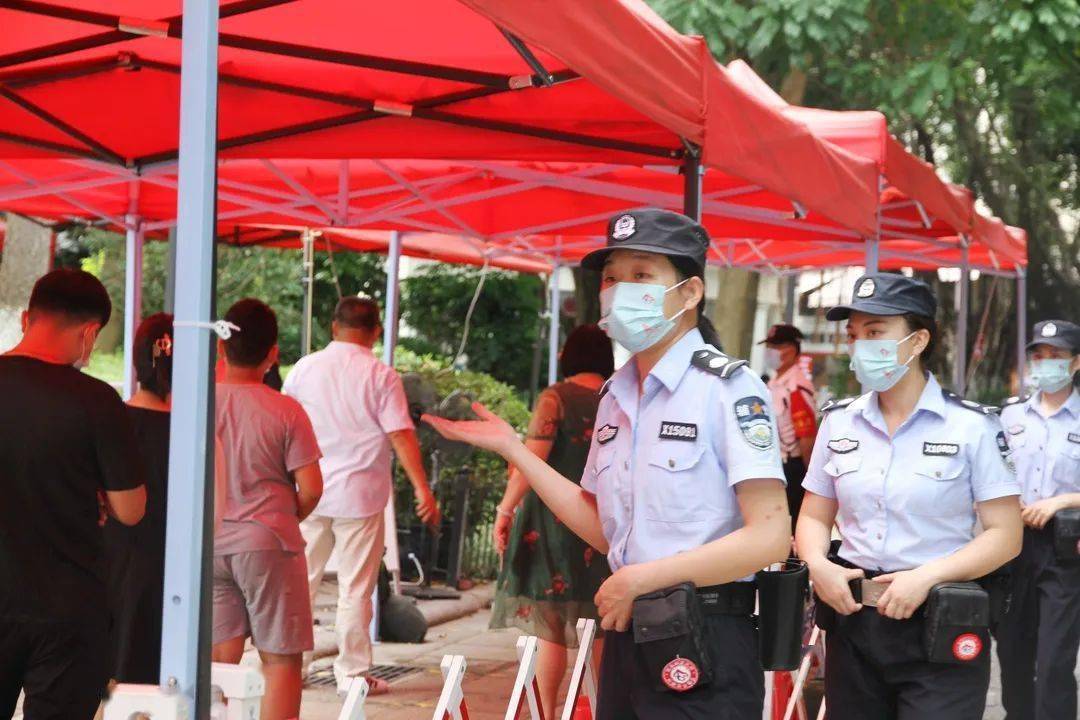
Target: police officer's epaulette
x=716, y=363
x=970, y=404
x=606, y=386
x=1015, y=400
x=837, y=404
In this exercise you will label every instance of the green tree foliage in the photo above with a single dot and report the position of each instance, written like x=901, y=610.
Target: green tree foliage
x=987, y=89
x=505, y=322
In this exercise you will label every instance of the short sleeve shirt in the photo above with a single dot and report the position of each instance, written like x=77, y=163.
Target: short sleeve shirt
x=664, y=461
x=266, y=436
x=354, y=402
x=1046, y=449
x=793, y=400
x=909, y=499
x=64, y=436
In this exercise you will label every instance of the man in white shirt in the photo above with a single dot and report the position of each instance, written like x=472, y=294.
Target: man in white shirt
x=358, y=408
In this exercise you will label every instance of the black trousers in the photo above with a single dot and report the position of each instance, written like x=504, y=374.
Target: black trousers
x=1040, y=634
x=794, y=472
x=875, y=669
x=737, y=691
x=60, y=665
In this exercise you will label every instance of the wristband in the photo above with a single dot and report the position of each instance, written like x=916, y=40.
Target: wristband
x=504, y=513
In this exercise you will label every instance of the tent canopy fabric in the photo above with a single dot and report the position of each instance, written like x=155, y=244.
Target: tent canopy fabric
x=517, y=214
x=914, y=200
x=558, y=81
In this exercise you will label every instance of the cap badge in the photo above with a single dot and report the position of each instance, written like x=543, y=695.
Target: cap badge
x=625, y=226
x=866, y=288
x=1049, y=330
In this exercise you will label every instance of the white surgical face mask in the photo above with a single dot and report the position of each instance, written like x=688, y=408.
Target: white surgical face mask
x=632, y=314
x=773, y=359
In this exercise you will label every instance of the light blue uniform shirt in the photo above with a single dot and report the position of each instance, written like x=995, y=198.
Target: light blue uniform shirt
x=1046, y=449
x=664, y=462
x=907, y=500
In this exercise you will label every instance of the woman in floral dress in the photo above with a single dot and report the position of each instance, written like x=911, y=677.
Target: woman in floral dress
x=549, y=575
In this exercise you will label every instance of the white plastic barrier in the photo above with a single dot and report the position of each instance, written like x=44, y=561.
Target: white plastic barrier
x=242, y=688
x=131, y=701
x=525, y=686
x=451, y=705
x=583, y=676
x=353, y=709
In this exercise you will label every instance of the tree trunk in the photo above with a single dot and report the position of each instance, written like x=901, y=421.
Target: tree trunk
x=27, y=255
x=733, y=310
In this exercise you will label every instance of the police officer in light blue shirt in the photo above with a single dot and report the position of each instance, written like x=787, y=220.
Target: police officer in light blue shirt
x=1042, y=628
x=903, y=471
x=683, y=484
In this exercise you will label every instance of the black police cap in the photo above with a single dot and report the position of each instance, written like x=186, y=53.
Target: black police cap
x=782, y=333
x=1059, y=333
x=887, y=294
x=652, y=230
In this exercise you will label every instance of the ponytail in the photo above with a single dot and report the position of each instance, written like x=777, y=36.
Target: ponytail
x=707, y=329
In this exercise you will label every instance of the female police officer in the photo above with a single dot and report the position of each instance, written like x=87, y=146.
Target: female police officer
x=1042, y=627
x=901, y=470
x=683, y=484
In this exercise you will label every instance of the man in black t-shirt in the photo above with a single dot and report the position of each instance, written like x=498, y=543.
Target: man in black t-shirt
x=66, y=455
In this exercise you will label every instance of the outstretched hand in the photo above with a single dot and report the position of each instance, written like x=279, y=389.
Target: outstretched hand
x=490, y=432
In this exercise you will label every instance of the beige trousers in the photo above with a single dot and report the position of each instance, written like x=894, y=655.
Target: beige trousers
x=360, y=544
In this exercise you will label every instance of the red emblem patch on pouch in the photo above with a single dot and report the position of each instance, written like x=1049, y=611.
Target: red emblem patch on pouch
x=680, y=675
x=967, y=647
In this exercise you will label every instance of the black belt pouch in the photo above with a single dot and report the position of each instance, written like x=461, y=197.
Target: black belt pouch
x=670, y=624
x=781, y=603
x=1067, y=534
x=957, y=621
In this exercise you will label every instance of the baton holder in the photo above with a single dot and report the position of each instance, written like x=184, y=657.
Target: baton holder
x=1067, y=534
x=781, y=604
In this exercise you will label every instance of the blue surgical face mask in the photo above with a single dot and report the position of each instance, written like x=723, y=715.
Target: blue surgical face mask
x=632, y=314
x=875, y=363
x=1051, y=374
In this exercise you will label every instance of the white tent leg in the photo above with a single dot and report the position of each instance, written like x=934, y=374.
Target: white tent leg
x=185, y=656
x=553, y=325
x=133, y=261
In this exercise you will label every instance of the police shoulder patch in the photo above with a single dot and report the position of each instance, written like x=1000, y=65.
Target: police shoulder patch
x=837, y=404
x=752, y=414
x=1014, y=400
x=716, y=363
x=970, y=404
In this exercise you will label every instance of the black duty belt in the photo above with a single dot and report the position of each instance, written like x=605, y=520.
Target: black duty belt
x=737, y=598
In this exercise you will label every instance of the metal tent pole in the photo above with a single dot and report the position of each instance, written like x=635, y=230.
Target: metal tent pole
x=185, y=638
x=963, y=301
x=692, y=184
x=553, y=324
x=169, y=304
x=133, y=261
x=1021, y=328
x=873, y=249
x=393, y=295
x=789, y=298
x=307, y=240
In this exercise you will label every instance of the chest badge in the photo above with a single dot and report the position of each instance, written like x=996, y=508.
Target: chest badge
x=606, y=434
x=940, y=449
x=843, y=445
x=753, y=415
x=1074, y=437
x=678, y=431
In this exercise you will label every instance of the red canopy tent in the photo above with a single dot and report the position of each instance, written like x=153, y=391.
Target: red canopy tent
x=557, y=81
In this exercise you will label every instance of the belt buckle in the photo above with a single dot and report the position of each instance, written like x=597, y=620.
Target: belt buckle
x=869, y=592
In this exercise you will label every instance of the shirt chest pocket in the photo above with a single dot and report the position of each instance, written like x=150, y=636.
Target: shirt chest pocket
x=1067, y=468
x=938, y=487
x=678, y=486
x=852, y=491
x=606, y=472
